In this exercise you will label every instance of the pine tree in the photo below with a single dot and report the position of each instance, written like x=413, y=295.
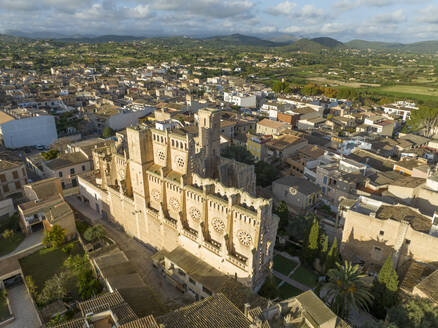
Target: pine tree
x=332, y=256
x=384, y=289
x=311, y=249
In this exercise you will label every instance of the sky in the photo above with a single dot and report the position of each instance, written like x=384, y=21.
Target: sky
x=380, y=20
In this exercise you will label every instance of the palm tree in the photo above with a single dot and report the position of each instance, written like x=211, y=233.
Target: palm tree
x=345, y=288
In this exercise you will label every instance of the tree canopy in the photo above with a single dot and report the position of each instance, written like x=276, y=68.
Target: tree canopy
x=345, y=289
x=384, y=289
x=426, y=119
x=54, y=237
x=238, y=153
x=265, y=173
x=107, y=132
x=51, y=154
x=414, y=313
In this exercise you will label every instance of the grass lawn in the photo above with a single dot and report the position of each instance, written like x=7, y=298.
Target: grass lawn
x=305, y=276
x=45, y=263
x=4, y=310
x=8, y=245
x=283, y=265
x=287, y=291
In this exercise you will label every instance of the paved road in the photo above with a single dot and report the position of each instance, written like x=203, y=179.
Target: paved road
x=33, y=240
x=22, y=307
x=290, y=281
x=140, y=257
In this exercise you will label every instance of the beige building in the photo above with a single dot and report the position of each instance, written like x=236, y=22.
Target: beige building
x=13, y=177
x=167, y=195
x=46, y=207
x=374, y=230
x=66, y=167
x=298, y=193
x=270, y=127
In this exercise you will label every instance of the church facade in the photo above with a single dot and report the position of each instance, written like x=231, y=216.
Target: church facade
x=170, y=188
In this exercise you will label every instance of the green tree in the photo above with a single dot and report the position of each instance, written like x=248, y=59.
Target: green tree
x=54, y=289
x=310, y=251
x=54, y=237
x=300, y=227
x=89, y=286
x=414, y=313
x=96, y=232
x=8, y=234
x=51, y=154
x=345, y=289
x=33, y=290
x=332, y=255
x=384, y=289
x=426, y=119
x=323, y=246
x=238, y=153
x=107, y=132
x=283, y=213
x=269, y=289
x=265, y=173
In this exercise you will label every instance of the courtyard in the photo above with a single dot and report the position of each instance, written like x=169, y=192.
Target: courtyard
x=290, y=277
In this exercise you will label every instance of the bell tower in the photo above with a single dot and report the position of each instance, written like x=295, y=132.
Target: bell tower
x=209, y=123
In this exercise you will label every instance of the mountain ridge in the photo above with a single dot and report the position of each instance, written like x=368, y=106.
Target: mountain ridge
x=283, y=41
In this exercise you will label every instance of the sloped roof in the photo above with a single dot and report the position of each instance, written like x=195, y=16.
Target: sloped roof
x=403, y=213
x=213, y=312
x=66, y=160
x=429, y=286
x=145, y=322
x=303, y=186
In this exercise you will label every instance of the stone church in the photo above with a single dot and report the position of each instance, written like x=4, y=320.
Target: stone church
x=169, y=187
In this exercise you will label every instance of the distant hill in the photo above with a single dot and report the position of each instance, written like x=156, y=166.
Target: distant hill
x=282, y=41
x=328, y=42
x=71, y=38
x=101, y=39
x=304, y=45
x=417, y=47
x=314, y=45
x=376, y=45
x=240, y=39
x=424, y=46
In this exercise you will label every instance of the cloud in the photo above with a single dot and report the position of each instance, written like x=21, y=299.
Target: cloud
x=283, y=8
x=206, y=8
x=346, y=5
x=307, y=14
x=428, y=15
x=389, y=18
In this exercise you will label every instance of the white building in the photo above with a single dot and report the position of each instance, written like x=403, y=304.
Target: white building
x=401, y=109
x=241, y=100
x=127, y=118
x=30, y=131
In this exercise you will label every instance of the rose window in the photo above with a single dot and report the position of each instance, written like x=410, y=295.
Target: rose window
x=244, y=238
x=161, y=155
x=156, y=195
x=174, y=203
x=195, y=214
x=218, y=225
x=180, y=161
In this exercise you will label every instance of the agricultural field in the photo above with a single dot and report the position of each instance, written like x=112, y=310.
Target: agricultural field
x=350, y=84
x=413, y=89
